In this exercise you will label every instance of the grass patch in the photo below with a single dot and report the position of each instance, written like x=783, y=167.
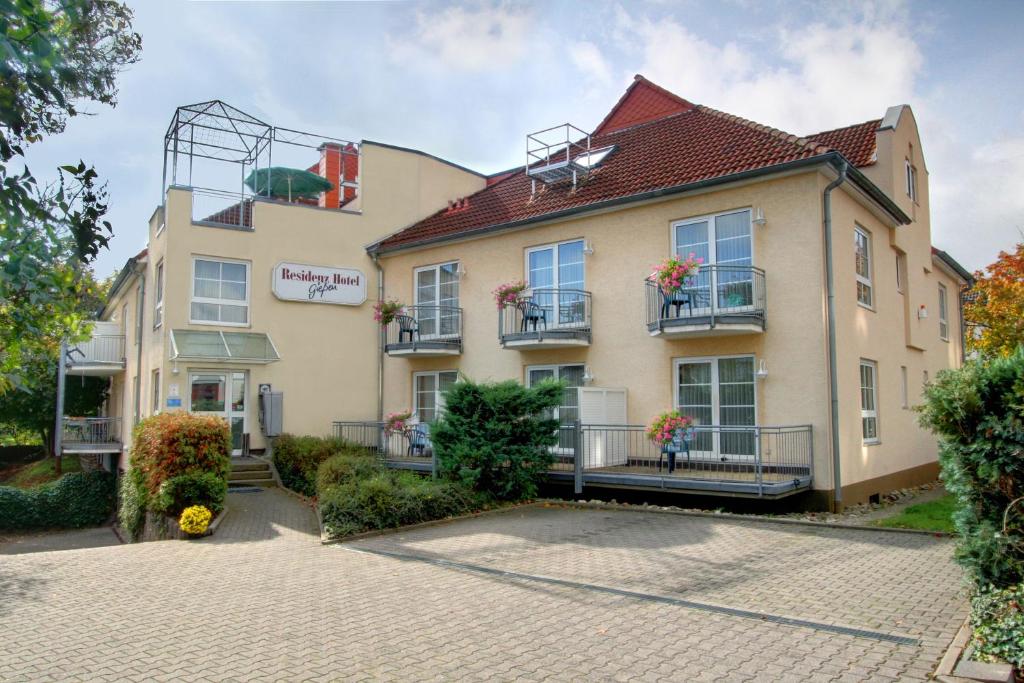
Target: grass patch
x=935, y=515
x=38, y=472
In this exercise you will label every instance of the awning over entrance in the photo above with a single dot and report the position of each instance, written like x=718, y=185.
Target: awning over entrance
x=224, y=347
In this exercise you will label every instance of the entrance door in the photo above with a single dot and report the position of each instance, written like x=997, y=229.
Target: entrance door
x=719, y=394
x=222, y=394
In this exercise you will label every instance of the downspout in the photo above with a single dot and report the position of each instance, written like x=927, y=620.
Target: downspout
x=139, y=330
x=380, y=341
x=837, y=480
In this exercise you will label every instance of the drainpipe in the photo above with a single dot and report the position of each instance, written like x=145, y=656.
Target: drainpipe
x=837, y=480
x=140, y=328
x=380, y=342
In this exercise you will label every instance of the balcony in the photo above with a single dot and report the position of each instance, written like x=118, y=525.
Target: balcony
x=425, y=331
x=102, y=355
x=410, y=449
x=720, y=300
x=91, y=435
x=546, y=319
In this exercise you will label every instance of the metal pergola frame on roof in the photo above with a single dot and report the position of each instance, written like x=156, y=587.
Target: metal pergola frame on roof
x=216, y=131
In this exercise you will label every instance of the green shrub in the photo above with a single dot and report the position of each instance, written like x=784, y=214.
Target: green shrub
x=76, y=500
x=185, y=490
x=978, y=413
x=341, y=467
x=388, y=499
x=997, y=618
x=132, y=512
x=168, y=445
x=298, y=457
x=496, y=437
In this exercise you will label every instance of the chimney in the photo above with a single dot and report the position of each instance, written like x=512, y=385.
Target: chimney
x=338, y=164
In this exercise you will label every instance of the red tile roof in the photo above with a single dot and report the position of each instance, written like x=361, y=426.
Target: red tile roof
x=693, y=143
x=856, y=142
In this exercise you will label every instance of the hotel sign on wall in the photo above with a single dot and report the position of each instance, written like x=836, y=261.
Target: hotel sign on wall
x=319, y=284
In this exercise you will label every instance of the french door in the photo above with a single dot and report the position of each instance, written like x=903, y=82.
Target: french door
x=720, y=395
x=554, y=273
x=213, y=392
x=437, y=300
x=568, y=410
x=723, y=240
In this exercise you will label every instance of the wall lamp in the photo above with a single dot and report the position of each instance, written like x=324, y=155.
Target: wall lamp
x=759, y=218
x=588, y=248
x=762, y=369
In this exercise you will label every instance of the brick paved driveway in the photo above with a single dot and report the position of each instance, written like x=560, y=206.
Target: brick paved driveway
x=518, y=595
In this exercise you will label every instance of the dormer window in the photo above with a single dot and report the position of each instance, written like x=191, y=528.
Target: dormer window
x=593, y=158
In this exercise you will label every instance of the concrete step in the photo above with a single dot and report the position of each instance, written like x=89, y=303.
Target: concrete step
x=249, y=466
x=266, y=482
x=248, y=475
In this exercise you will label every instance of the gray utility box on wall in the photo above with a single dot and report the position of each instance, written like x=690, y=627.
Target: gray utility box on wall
x=271, y=413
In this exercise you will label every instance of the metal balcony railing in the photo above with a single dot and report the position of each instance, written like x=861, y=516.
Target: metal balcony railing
x=101, y=349
x=91, y=432
x=425, y=328
x=717, y=294
x=546, y=314
x=408, y=449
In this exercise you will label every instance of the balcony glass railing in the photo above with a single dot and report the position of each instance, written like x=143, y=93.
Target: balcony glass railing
x=717, y=294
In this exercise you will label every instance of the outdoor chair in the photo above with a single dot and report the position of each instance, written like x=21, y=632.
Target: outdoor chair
x=407, y=325
x=532, y=313
x=419, y=439
x=680, y=443
x=679, y=298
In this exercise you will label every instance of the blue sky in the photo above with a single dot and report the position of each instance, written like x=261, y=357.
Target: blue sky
x=467, y=81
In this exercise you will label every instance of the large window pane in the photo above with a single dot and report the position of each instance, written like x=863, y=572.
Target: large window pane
x=208, y=393
x=216, y=282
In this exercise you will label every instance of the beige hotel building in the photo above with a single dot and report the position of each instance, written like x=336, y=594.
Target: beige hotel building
x=800, y=348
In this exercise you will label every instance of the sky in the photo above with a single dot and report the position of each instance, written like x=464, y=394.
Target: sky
x=468, y=81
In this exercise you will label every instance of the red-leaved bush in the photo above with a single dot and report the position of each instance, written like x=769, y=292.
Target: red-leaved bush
x=173, y=444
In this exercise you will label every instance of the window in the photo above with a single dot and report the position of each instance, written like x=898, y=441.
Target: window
x=568, y=411
x=943, y=314
x=901, y=272
x=869, y=401
x=437, y=300
x=554, y=273
x=904, y=387
x=158, y=307
x=594, y=157
x=156, y=392
x=911, y=179
x=220, y=292
x=862, y=248
x=428, y=393
x=720, y=240
x=720, y=392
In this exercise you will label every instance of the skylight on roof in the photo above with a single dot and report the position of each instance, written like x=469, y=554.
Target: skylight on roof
x=594, y=157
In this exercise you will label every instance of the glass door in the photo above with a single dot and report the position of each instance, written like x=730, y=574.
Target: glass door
x=222, y=394
x=437, y=301
x=555, y=277
x=719, y=393
x=725, y=244
x=568, y=410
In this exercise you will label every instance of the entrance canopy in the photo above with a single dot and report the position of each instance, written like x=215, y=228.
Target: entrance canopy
x=252, y=348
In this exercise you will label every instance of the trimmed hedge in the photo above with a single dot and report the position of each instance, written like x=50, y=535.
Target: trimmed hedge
x=356, y=493
x=207, y=489
x=978, y=413
x=76, y=500
x=132, y=513
x=297, y=459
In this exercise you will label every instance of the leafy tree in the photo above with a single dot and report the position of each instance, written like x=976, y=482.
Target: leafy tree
x=497, y=437
x=994, y=307
x=57, y=54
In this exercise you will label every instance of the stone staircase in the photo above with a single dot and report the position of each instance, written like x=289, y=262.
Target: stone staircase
x=250, y=472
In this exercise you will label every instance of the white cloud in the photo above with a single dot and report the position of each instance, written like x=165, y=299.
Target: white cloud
x=588, y=59
x=477, y=38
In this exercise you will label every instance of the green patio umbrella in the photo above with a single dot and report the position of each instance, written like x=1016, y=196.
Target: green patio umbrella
x=280, y=181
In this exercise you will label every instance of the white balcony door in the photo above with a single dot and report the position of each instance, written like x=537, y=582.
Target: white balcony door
x=568, y=410
x=719, y=392
x=222, y=394
x=437, y=299
x=551, y=270
x=723, y=240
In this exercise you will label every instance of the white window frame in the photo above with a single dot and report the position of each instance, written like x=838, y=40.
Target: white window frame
x=439, y=402
x=140, y=307
x=155, y=390
x=158, y=296
x=866, y=414
x=901, y=272
x=556, y=368
x=943, y=313
x=712, y=236
x=554, y=246
x=228, y=302
x=437, y=290
x=862, y=279
x=910, y=172
x=904, y=387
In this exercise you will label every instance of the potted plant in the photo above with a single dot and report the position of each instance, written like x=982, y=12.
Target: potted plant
x=396, y=423
x=509, y=293
x=669, y=428
x=675, y=273
x=385, y=311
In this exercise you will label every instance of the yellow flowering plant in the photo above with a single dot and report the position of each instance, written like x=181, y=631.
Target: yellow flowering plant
x=195, y=520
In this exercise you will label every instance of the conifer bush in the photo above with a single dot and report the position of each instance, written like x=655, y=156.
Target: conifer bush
x=497, y=437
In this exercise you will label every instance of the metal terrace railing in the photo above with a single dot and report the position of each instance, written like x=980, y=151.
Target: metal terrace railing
x=425, y=330
x=752, y=460
x=718, y=294
x=91, y=433
x=100, y=349
x=546, y=315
